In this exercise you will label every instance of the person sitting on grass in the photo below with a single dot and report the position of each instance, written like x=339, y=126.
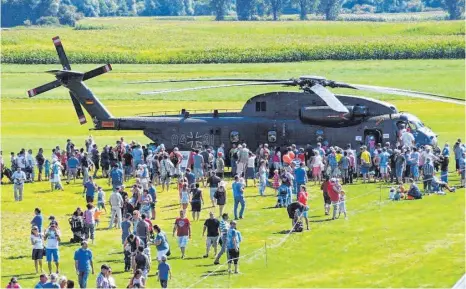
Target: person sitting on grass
x=414, y=193
x=438, y=186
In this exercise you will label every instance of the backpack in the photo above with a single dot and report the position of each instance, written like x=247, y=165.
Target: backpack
x=298, y=227
x=141, y=261
x=174, y=159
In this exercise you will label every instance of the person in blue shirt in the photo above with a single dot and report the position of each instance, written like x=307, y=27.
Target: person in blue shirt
x=53, y=282
x=37, y=220
x=164, y=272
x=89, y=190
x=462, y=166
x=238, y=191
x=138, y=154
x=83, y=264
x=282, y=196
x=198, y=165
x=233, y=240
x=300, y=176
x=384, y=157
x=116, y=177
x=190, y=177
x=153, y=193
x=72, y=167
x=43, y=280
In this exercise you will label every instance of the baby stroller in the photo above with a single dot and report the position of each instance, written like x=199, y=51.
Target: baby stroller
x=77, y=227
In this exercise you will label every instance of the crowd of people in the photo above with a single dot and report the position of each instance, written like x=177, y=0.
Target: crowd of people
x=132, y=209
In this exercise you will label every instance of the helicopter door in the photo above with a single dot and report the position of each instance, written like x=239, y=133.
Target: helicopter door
x=372, y=137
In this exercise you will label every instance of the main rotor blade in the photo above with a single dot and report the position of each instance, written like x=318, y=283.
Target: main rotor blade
x=329, y=98
x=205, y=80
x=410, y=93
x=289, y=82
x=78, y=108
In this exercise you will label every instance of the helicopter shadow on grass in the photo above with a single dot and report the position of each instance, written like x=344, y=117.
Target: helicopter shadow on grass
x=16, y=257
x=211, y=273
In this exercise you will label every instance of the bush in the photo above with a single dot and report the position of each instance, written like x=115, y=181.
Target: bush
x=48, y=21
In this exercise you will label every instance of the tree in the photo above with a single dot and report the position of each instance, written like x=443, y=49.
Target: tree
x=219, y=7
x=455, y=8
x=331, y=9
x=245, y=9
x=276, y=8
x=306, y=6
x=108, y=7
x=68, y=15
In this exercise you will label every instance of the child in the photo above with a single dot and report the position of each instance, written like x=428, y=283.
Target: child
x=97, y=214
x=164, y=272
x=47, y=169
x=281, y=196
x=101, y=199
x=342, y=205
x=276, y=181
x=392, y=192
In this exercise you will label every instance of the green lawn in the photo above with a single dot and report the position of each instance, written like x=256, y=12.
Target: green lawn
x=382, y=244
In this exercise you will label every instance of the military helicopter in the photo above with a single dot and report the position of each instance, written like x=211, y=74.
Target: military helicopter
x=311, y=115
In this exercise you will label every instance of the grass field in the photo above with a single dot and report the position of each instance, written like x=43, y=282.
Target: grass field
x=119, y=40
x=382, y=244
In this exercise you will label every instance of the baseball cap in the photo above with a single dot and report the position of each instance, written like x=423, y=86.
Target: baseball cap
x=35, y=228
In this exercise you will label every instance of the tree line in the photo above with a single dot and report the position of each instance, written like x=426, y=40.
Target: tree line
x=68, y=12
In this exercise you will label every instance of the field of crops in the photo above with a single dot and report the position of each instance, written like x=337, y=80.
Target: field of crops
x=148, y=40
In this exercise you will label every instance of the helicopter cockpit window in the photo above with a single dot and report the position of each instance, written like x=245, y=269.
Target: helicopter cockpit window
x=234, y=136
x=412, y=125
x=272, y=136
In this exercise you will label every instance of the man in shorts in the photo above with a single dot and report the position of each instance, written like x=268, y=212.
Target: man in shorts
x=52, y=240
x=212, y=226
x=233, y=241
x=72, y=165
x=183, y=232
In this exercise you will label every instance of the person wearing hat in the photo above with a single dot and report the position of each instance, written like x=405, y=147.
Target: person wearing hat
x=52, y=239
x=37, y=248
x=18, y=177
x=428, y=173
x=53, y=283
x=233, y=240
x=102, y=279
x=13, y=283
x=116, y=203
x=42, y=281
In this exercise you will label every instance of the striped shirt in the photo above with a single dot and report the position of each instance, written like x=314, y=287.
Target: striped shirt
x=428, y=169
x=102, y=281
x=224, y=227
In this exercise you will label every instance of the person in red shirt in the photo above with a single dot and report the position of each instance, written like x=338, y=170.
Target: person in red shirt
x=334, y=193
x=327, y=201
x=183, y=232
x=303, y=196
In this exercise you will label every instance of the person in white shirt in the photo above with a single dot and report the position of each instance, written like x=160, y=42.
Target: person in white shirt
x=251, y=170
x=407, y=139
x=19, y=177
x=21, y=161
x=52, y=240
x=116, y=202
x=30, y=164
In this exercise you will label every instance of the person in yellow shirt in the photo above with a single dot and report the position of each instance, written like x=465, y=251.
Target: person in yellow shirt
x=365, y=164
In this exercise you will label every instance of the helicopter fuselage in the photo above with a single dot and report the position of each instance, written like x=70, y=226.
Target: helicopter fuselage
x=280, y=119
